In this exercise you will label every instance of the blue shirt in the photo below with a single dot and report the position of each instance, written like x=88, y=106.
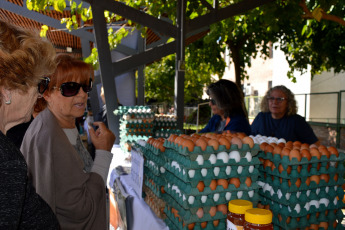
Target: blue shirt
x=236, y=124
x=291, y=128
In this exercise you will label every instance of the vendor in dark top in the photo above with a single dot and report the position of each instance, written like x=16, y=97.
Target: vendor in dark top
x=279, y=118
x=227, y=104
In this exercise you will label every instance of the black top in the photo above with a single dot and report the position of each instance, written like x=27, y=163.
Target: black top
x=16, y=133
x=20, y=206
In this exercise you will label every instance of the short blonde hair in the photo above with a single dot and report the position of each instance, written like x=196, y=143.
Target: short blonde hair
x=25, y=57
x=290, y=97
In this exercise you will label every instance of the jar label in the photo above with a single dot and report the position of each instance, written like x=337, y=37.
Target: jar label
x=231, y=226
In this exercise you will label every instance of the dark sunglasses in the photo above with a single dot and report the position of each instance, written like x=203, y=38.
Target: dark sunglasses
x=70, y=89
x=43, y=84
x=213, y=102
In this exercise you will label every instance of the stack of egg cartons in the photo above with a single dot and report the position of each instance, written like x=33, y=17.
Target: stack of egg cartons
x=136, y=122
x=203, y=173
x=302, y=184
x=165, y=125
x=154, y=170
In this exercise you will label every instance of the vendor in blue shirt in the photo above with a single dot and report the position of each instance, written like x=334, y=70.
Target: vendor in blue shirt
x=227, y=104
x=279, y=118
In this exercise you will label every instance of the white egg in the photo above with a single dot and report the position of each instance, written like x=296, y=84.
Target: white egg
x=223, y=156
x=324, y=201
x=258, y=135
x=267, y=187
x=200, y=160
x=248, y=156
x=297, y=208
x=332, y=163
x=191, y=199
x=335, y=201
x=239, y=169
x=251, y=193
x=251, y=169
x=228, y=170
x=251, y=136
x=235, y=155
x=216, y=197
x=169, y=185
x=287, y=195
x=203, y=172
x=308, y=192
x=183, y=197
x=272, y=191
x=203, y=199
x=261, y=184
x=281, y=140
x=212, y=158
x=327, y=189
x=239, y=194
x=307, y=206
x=314, y=203
x=335, y=188
x=298, y=194
x=183, y=171
x=191, y=173
x=228, y=196
x=216, y=171
x=317, y=191
x=279, y=193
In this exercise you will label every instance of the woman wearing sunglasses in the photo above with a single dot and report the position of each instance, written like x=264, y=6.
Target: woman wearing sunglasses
x=227, y=105
x=62, y=170
x=24, y=58
x=279, y=118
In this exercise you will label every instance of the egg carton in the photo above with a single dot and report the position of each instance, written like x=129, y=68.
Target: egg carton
x=174, y=223
x=285, y=161
x=155, y=203
x=191, y=188
x=302, y=197
x=284, y=185
x=303, y=171
x=155, y=183
x=209, y=149
x=210, y=160
x=191, y=175
x=290, y=223
x=166, y=132
x=296, y=210
x=135, y=125
x=153, y=168
x=126, y=109
x=136, y=132
x=192, y=201
x=158, y=159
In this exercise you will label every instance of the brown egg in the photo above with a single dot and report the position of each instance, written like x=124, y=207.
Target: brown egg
x=259, y=205
x=222, y=208
x=202, y=143
x=324, y=177
x=305, y=153
x=305, y=146
x=267, y=206
x=335, y=177
x=213, y=184
x=214, y=143
x=225, y=142
x=191, y=226
x=189, y=144
x=324, y=152
x=249, y=141
x=200, y=212
x=263, y=146
x=269, y=149
x=215, y=223
x=297, y=144
x=277, y=150
x=315, y=178
x=281, y=169
x=314, y=152
x=285, y=152
x=236, y=141
x=323, y=225
x=203, y=224
x=267, y=163
x=235, y=181
x=333, y=150
x=248, y=181
x=314, y=227
x=200, y=186
x=223, y=182
x=175, y=212
x=213, y=211
x=161, y=147
x=295, y=154
x=178, y=140
x=307, y=181
x=297, y=183
x=162, y=189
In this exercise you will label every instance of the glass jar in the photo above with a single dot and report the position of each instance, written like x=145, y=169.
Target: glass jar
x=235, y=218
x=258, y=219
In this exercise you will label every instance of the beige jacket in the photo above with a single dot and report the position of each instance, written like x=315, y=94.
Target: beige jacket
x=77, y=198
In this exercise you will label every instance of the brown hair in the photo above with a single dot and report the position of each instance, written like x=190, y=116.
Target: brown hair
x=68, y=69
x=228, y=97
x=290, y=97
x=25, y=57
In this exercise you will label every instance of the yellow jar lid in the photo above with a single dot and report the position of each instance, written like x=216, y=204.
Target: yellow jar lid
x=239, y=206
x=258, y=216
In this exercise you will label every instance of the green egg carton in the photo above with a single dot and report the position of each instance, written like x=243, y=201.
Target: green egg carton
x=158, y=159
x=158, y=182
x=189, y=175
x=289, y=223
x=297, y=210
x=191, y=188
x=154, y=150
x=174, y=223
x=189, y=201
x=155, y=169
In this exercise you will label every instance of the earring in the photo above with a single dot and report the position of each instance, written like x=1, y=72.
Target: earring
x=9, y=101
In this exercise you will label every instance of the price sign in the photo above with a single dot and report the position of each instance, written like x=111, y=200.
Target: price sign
x=137, y=170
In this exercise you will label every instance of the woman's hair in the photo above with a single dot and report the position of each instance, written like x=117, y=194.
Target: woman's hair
x=68, y=69
x=25, y=57
x=290, y=97
x=228, y=97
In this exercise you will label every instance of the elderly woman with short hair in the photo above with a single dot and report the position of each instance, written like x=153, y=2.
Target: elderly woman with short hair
x=279, y=118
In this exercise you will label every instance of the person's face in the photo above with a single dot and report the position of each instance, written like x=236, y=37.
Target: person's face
x=214, y=108
x=22, y=105
x=66, y=109
x=277, y=105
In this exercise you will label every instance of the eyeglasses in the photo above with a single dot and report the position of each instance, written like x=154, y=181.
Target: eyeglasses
x=70, y=89
x=278, y=99
x=43, y=84
x=213, y=102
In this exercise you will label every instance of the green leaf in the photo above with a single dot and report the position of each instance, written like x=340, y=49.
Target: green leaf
x=304, y=29
x=59, y=5
x=43, y=32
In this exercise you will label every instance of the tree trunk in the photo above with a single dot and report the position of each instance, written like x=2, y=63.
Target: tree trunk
x=236, y=58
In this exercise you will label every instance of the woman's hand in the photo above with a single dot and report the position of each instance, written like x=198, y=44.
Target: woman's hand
x=102, y=138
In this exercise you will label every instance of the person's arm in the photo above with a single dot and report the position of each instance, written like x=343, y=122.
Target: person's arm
x=304, y=132
x=255, y=124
